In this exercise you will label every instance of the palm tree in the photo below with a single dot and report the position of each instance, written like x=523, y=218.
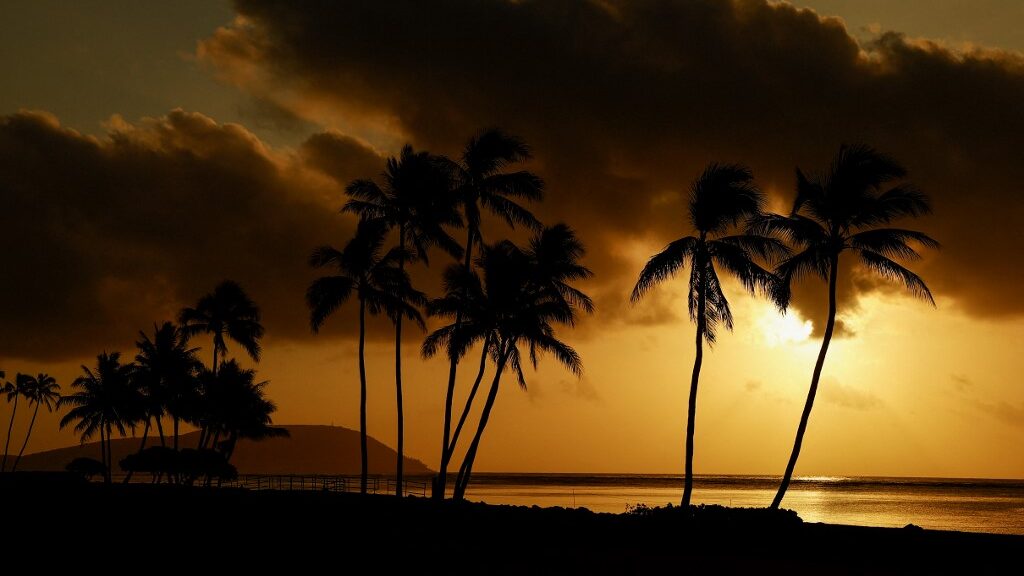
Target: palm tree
x=41, y=390
x=13, y=391
x=380, y=285
x=166, y=369
x=106, y=399
x=237, y=407
x=721, y=198
x=416, y=200
x=512, y=305
x=842, y=210
x=481, y=181
x=227, y=312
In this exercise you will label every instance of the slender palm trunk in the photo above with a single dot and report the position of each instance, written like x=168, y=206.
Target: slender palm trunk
x=176, y=420
x=829, y=327
x=364, y=468
x=27, y=436
x=103, y=452
x=214, y=357
x=160, y=430
x=10, y=427
x=110, y=457
x=398, y=376
x=142, y=447
x=691, y=411
x=441, y=484
x=462, y=481
x=469, y=400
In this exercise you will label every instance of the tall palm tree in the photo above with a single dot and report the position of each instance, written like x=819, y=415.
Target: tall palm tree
x=846, y=209
x=512, y=305
x=481, y=181
x=13, y=391
x=166, y=368
x=106, y=400
x=416, y=200
x=227, y=312
x=379, y=284
x=720, y=199
x=43, y=390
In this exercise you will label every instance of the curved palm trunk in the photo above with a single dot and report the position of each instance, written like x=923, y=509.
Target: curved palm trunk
x=364, y=469
x=103, y=452
x=10, y=427
x=398, y=377
x=462, y=482
x=110, y=457
x=27, y=435
x=448, y=443
x=142, y=446
x=691, y=412
x=160, y=430
x=469, y=401
x=829, y=327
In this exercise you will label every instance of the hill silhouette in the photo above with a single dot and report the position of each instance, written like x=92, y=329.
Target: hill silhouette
x=311, y=449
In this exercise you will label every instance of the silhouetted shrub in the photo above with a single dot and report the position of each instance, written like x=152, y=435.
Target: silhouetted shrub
x=86, y=468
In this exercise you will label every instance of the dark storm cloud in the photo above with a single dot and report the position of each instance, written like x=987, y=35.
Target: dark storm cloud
x=625, y=102
x=106, y=236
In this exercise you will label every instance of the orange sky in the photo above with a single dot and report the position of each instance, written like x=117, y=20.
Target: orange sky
x=914, y=391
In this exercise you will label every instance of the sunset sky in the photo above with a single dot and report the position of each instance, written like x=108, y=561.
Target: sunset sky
x=149, y=150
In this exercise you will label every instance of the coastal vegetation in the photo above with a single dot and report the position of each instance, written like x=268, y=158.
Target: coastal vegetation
x=504, y=302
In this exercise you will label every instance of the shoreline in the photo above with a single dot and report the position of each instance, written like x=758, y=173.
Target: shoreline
x=431, y=537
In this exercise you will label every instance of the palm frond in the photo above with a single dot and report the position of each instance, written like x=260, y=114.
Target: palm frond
x=893, y=271
x=891, y=242
x=664, y=265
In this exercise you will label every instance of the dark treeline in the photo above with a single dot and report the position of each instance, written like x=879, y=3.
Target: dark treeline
x=501, y=299
x=167, y=380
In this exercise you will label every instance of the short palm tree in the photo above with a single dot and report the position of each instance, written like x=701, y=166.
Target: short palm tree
x=13, y=392
x=482, y=182
x=166, y=369
x=379, y=284
x=846, y=209
x=237, y=407
x=512, y=305
x=42, y=390
x=416, y=200
x=720, y=199
x=106, y=399
x=227, y=312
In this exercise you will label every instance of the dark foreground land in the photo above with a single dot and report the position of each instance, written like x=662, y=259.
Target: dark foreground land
x=59, y=523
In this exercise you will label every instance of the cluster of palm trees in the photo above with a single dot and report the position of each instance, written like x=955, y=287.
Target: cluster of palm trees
x=847, y=208
x=167, y=380
x=504, y=298
x=41, y=390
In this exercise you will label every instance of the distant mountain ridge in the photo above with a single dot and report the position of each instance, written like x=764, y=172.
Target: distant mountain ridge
x=310, y=449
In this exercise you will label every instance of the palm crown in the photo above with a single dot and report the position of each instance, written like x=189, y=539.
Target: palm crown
x=105, y=398
x=723, y=197
x=845, y=209
x=227, y=312
x=362, y=269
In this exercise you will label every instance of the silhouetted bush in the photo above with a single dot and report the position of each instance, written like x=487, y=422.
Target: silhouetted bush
x=86, y=468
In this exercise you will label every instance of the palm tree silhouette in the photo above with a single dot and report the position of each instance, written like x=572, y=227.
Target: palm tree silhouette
x=481, y=182
x=237, y=407
x=40, y=390
x=514, y=304
x=380, y=285
x=417, y=201
x=227, y=312
x=106, y=399
x=165, y=372
x=13, y=391
x=721, y=198
x=842, y=210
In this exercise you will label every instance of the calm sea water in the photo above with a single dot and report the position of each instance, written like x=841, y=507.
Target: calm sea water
x=943, y=504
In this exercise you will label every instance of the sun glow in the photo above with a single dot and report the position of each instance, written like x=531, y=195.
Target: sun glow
x=778, y=329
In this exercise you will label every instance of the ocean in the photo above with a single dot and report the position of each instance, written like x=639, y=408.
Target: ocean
x=969, y=505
